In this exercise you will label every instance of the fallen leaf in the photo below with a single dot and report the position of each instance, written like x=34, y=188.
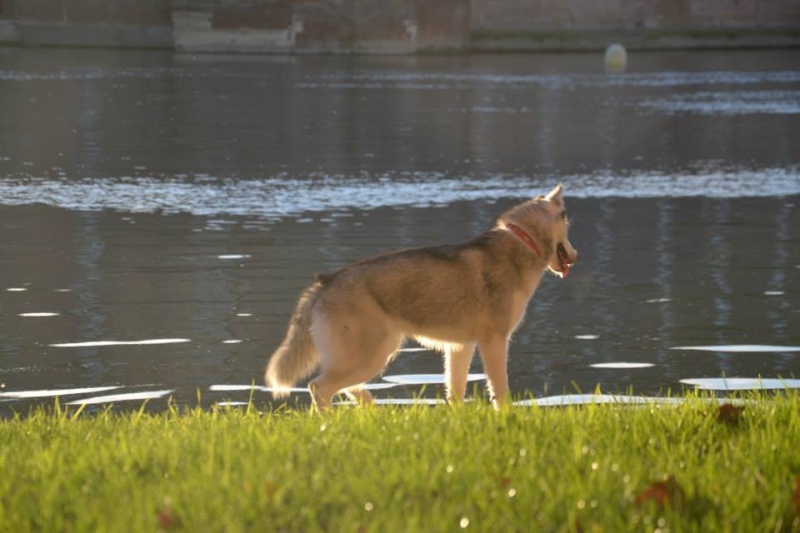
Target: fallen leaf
x=663, y=493
x=730, y=414
x=504, y=481
x=165, y=520
x=797, y=494
x=270, y=488
x=657, y=492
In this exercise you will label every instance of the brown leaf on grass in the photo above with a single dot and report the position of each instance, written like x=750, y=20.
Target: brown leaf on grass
x=165, y=520
x=730, y=414
x=270, y=488
x=503, y=480
x=796, y=497
x=663, y=493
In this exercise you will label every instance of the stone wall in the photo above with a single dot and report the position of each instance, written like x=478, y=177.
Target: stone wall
x=398, y=26
x=501, y=15
x=323, y=26
x=592, y=24
x=124, y=23
x=256, y=26
x=91, y=12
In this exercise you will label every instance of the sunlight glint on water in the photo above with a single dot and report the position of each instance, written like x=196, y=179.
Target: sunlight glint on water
x=26, y=394
x=622, y=366
x=127, y=397
x=741, y=348
x=146, y=342
x=426, y=379
x=743, y=384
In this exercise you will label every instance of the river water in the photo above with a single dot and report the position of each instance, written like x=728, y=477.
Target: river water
x=160, y=213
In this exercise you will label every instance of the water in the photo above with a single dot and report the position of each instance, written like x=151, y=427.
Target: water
x=160, y=213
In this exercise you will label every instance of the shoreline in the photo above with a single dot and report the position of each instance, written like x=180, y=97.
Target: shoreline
x=650, y=39
x=35, y=34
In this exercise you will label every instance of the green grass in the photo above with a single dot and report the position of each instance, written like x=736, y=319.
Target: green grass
x=405, y=469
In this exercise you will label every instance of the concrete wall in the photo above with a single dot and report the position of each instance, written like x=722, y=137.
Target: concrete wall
x=501, y=15
x=255, y=26
x=591, y=24
x=89, y=12
x=323, y=26
x=398, y=26
x=124, y=23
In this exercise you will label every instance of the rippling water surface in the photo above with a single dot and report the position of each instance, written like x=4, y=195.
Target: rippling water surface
x=160, y=213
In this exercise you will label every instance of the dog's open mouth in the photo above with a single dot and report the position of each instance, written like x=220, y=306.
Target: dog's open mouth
x=564, y=262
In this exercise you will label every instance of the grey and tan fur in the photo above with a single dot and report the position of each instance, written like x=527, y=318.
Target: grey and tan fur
x=451, y=298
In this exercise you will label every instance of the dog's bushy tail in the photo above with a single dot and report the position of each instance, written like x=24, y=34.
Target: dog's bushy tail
x=296, y=357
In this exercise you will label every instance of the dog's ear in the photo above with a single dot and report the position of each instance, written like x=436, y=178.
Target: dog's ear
x=555, y=195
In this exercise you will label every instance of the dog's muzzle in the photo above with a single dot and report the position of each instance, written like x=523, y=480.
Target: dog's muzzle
x=565, y=262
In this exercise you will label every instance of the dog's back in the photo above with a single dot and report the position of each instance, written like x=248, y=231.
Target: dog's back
x=440, y=292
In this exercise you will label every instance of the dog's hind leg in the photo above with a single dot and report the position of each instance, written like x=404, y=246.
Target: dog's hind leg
x=494, y=354
x=350, y=355
x=457, y=359
x=346, y=377
x=359, y=395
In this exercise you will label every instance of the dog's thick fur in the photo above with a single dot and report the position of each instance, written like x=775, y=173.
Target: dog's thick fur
x=450, y=298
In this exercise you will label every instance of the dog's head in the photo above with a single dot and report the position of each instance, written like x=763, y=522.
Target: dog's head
x=545, y=220
x=565, y=255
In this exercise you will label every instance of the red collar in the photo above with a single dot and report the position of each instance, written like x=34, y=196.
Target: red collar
x=524, y=237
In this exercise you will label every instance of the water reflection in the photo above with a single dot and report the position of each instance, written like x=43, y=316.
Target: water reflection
x=730, y=103
x=741, y=384
x=622, y=365
x=78, y=114
x=742, y=348
x=594, y=399
x=125, y=397
x=398, y=401
x=616, y=399
x=426, y=379
x=146, y=342
x=55, y=393
x=237, y=388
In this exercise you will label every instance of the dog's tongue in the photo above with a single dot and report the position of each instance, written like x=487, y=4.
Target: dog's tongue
x=563, y=260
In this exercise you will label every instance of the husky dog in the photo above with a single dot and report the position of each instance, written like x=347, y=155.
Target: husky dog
x=450, y=298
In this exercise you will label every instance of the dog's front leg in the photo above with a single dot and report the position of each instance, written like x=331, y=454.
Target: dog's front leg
x=457, y=361
x=494, y=354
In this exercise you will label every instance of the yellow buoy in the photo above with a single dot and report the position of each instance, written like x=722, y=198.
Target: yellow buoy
x=616, y=58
